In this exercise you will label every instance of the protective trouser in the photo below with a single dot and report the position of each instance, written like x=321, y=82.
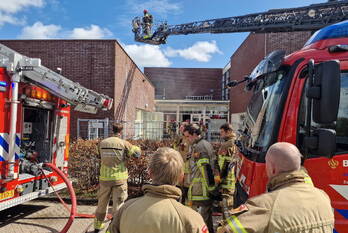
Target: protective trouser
x=206, y=210
x=119, y=195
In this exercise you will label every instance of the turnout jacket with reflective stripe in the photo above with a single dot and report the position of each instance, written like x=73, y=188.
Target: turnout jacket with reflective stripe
x=200, y=163
x=291, y=205
x=226, y=154
x=182, y=145
x=158, y=211
x=114, y=152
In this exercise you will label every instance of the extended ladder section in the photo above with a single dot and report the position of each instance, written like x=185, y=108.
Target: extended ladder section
x=30, y=69
x=307, y=18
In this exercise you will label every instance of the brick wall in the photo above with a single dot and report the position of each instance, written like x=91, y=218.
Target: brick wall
x=289, y=42
x=177, y=83
x=243, y=61
x=92, y=63
x=251, y=52
x=137, y=93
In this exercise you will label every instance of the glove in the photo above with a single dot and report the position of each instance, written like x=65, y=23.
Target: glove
x=217, y=179
x=135, y=151
x=215, y=195
x=137, y=154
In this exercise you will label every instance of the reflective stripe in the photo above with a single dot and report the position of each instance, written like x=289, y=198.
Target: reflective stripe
x=222, y=159
x=228, y=186
x=204, y=196
x=200, y=162
x=203, y=182
x=113, y=173
x=308, y=180
x=229, y=181
x=235, y=225
x=98, y=225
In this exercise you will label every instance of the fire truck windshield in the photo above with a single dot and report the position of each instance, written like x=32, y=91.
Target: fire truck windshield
x=264, y=112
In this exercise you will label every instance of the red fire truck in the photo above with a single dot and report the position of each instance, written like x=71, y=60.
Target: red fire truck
x=34, y=126
x=302, y=99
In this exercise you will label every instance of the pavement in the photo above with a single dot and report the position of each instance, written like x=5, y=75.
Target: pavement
x=41, y=216
x=49, y=215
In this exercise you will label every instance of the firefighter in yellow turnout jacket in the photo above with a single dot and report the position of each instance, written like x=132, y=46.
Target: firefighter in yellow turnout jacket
x=159, y=211
x=182, y=145
x=114, y=153
x=292, y=204
x=202, y=177
x=226, y=158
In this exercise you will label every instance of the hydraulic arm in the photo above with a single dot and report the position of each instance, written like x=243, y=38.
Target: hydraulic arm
x=30, y=69
x=308, y=18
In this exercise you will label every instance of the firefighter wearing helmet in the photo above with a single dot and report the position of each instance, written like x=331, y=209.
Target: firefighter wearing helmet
x=147, y=24
x=114, y=152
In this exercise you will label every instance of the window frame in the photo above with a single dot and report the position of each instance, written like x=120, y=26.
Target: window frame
x=298, y=134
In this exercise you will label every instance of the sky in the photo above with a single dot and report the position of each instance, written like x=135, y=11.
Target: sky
x=111, y=19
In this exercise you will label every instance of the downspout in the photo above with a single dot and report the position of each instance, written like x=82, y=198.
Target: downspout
x=13, y=123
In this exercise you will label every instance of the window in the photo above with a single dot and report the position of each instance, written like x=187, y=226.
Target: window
x=341, y=125
x=264, y=111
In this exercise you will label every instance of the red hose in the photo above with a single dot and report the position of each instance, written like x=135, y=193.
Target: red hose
x=73, y=209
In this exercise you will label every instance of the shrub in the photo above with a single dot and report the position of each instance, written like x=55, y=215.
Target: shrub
x=84, y=165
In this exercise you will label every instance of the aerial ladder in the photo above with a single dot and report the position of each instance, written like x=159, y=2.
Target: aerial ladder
x=307, y=18
x=29, y=70
x=25, y=69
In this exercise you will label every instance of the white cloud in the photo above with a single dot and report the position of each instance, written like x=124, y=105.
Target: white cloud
x=7, y=18
x=13, y=6
x=8, y=9
x=147, y=55
x=161, y=7
x=201, y=51
x=40, y=31
x=92, y=32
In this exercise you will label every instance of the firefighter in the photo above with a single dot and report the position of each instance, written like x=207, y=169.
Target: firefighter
x=147, y=24
x=291, y=204
x=202, y=178
x=182, y=145
x=226, y=159
x=158, y=210
x=114, y=153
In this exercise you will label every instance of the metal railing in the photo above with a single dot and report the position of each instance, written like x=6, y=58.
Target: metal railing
x=152, y=130
x=203, y=97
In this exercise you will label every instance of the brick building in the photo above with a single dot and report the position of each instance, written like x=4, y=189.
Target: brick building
x=190, y=94
x=100, y=65
x=254, y=48
x=185, y=83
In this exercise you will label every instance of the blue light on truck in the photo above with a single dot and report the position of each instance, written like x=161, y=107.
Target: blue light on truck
x=3, y=84
x=338, y=30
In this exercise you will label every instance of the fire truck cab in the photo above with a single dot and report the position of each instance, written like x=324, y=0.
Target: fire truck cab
x=35, y=107
x=302, y=99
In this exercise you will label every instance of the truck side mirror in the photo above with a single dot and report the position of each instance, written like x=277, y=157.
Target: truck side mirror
x=322, y=142
x=325, y=91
